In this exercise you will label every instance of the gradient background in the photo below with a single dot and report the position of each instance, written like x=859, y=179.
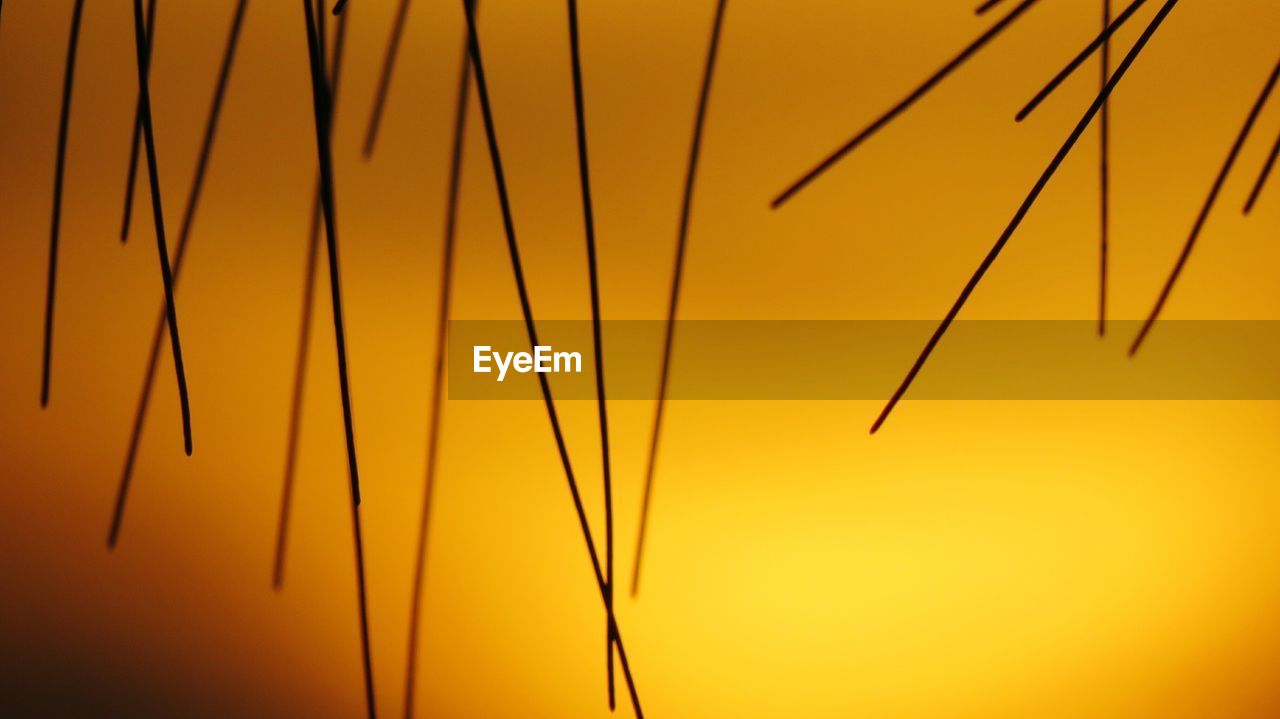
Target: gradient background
x=975, y=559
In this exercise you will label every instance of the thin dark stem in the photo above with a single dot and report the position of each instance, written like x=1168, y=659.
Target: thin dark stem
x=339, y=7
x=131, y=179
x=1262, y=177
x=1206, y=209
x=322, y=39
x=902, y=105
x=384, y=80
x=1101, y=42
x=584, y=173
x=323, y=107
x=135, y=141
x=299, y=383
x=179, y=257
x=437, y=383
x=686, y=207
x=302, y=355
x=1104, y=174
x=59, y=175
x=984, y=7
x=157, y=212
x=513, y=249
x=1021, y=214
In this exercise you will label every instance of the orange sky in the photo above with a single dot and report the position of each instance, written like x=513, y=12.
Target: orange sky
x=975, y=559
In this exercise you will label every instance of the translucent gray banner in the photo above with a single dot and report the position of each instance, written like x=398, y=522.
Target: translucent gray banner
x=866, y=359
